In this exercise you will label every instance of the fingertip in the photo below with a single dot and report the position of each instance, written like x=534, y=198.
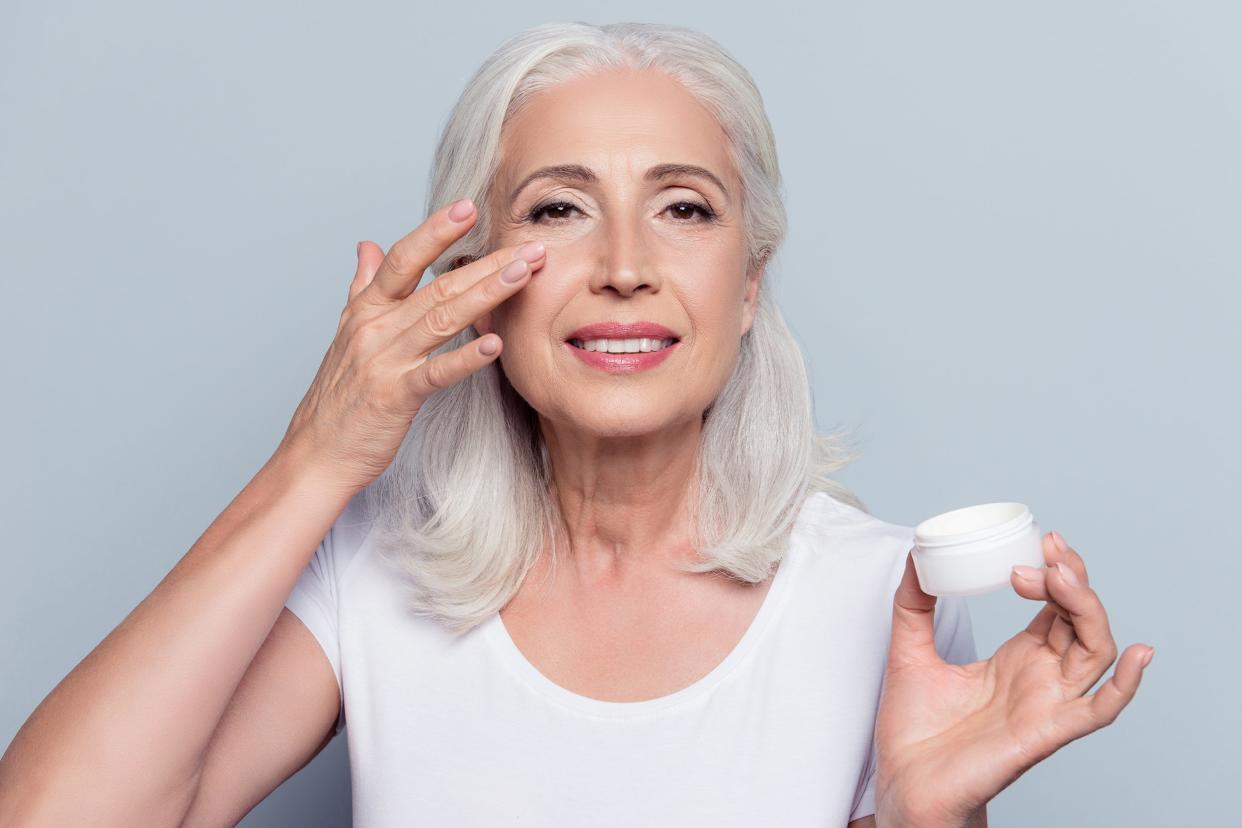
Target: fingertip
x=461, y=210
x=1051, y=553
x=1032, y=587
x=489, y=345
x=1067, y=575
x=1028, y=574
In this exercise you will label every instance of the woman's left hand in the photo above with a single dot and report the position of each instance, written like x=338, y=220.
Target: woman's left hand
x=950, y=737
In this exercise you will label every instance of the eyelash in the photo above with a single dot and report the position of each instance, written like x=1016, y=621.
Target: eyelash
x=703, y=210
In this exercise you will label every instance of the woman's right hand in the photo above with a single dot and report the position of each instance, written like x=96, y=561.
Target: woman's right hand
x=376, y=373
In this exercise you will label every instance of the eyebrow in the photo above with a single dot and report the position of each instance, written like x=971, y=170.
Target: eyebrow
x=584, y=175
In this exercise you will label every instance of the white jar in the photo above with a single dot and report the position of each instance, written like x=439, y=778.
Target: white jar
x=971, y=551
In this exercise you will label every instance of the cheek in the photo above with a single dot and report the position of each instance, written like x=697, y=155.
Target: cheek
x=529, y=314
x=714, y=303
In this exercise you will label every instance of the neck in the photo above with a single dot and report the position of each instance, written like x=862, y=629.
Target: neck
x=625, y=500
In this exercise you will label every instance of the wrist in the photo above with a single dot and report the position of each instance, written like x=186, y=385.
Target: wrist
x=897, y=817
x=297, y=469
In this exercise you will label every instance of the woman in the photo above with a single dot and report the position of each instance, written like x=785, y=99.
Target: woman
x=579, y=557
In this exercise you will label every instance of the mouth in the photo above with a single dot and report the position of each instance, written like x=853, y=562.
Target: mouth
x=623, y=356
x=630, y=345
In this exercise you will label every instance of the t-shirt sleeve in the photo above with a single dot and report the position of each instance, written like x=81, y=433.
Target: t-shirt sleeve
x=315, y=596
x=955, y=642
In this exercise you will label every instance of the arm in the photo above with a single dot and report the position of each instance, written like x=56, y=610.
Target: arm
x=282, y=715
x=122, y=739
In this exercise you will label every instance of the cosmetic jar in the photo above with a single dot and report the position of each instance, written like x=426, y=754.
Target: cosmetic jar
x=971, y=551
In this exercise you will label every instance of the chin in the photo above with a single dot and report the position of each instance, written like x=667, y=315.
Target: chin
x=621, y=420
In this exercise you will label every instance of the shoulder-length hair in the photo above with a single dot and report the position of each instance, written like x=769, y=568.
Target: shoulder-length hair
x=466, y=507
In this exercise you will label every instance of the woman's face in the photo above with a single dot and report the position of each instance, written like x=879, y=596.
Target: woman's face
x=624, y=246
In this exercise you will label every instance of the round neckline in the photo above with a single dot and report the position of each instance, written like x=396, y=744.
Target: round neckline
x=496, y=632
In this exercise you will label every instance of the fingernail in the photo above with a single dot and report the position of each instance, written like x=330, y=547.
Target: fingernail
x=1059, y=541
x=1027, y=573
x=461, y=210
x=514, y=270
x=1147, y=658
x=531, y=251
x=1067, y=574
x=358, y=250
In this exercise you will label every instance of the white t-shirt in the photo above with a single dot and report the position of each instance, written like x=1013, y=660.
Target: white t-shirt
x=467, y=732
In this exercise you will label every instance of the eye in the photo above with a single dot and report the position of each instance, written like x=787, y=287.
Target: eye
x=555, y=209
x=695, y=208
x=687, y=210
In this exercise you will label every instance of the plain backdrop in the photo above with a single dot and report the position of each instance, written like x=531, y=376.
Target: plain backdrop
x=1013, y=261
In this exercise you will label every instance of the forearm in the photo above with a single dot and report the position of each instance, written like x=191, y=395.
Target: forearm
x=121, y=738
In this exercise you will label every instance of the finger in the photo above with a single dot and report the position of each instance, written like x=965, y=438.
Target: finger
x=1093, y=648
x=445, y=369
x=1052, y=622
x=448, y=286
x=1042, y=623
x=369, y=257
x=1061, y=633
x=1089, y=713
x=1031, y=582
x=445, y=320
x=1056, y=549
x=402, y=269
x=1061, y=636
x=913, y=634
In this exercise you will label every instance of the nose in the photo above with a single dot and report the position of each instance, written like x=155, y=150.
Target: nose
x=622, y=258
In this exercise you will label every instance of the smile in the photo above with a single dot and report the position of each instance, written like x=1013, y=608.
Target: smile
x=622, y=346
x=623, y=356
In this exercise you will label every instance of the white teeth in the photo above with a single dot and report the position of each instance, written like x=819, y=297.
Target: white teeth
x=623, y=346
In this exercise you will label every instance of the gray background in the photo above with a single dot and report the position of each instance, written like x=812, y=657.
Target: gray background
x=1013, y=261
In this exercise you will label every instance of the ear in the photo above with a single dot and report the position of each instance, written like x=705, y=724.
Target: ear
x=750, y=301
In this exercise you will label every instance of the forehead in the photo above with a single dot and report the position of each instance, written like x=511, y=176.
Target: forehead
x=619, y=123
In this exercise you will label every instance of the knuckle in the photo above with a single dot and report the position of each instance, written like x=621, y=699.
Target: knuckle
x=364, y=336
x=440, y=291
x=402, y=257
x=435, y=374
x=440, y=321
x=357, y=311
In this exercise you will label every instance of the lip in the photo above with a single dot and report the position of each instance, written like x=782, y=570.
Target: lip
x=622, y=330
x=622, y=363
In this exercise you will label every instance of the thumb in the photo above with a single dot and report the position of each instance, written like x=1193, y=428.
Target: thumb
x=913, y=640
x=370, y=257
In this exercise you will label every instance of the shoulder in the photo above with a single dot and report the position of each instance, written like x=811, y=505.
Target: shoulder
x=839, y=533
x=848, y=562
x=856, y=561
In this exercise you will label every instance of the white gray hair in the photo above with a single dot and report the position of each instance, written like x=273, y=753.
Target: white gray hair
x=466, y=507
